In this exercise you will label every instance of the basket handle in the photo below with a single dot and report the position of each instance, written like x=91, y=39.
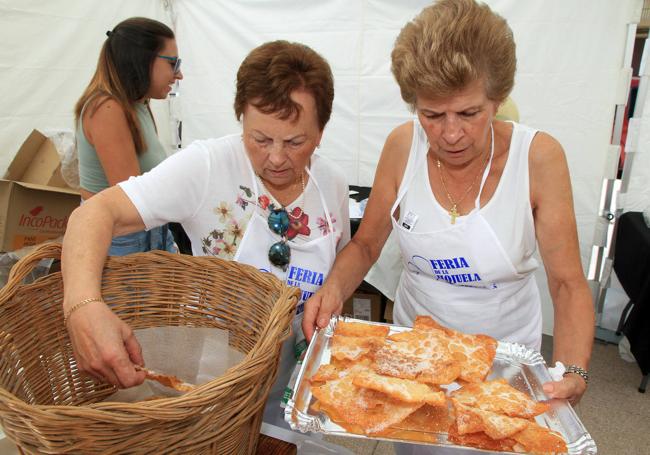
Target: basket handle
x=25, y=266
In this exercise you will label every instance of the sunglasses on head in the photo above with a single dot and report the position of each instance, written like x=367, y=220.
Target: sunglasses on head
x=175, y=62
x=279, y=253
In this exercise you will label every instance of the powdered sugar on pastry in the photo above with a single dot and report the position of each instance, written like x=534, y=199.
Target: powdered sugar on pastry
x=500, y=397
x=402, y=389
x=353, y=348
x=417, y=355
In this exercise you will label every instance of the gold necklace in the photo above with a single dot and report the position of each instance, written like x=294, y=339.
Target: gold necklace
x=453, y=211
x=302, y=195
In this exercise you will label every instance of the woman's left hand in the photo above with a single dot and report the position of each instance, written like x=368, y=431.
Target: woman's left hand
x=571, y=387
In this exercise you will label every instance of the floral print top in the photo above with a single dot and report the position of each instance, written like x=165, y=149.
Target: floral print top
x=223, y=242
x=214, y=197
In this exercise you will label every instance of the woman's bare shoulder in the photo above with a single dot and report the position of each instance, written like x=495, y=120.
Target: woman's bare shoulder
x=397, y=147
x=104, y=116
x=399, y=140
x=545, y=150
x=548, y=170
x=394, y=158
x=103, y=107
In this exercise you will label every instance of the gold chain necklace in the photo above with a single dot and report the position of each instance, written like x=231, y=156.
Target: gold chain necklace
x=302, y=195
x=453, y=211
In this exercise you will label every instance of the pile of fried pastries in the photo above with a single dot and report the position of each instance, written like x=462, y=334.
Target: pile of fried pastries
x=382, y=385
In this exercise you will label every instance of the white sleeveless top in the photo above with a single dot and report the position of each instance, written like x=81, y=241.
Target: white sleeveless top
x=508, y=212
x=476, y=275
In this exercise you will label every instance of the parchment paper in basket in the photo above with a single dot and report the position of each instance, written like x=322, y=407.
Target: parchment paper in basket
x=193, y=354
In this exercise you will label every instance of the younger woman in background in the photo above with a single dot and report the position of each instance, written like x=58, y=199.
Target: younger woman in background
x=115, y=130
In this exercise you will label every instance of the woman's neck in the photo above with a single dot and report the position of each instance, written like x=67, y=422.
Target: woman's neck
x=286, y=194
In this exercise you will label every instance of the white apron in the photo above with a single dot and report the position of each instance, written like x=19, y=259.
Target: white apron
x=462, y=277
x=310, y=264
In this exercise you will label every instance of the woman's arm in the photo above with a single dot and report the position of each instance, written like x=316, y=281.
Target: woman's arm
x=108, y=132
x=354, y=261
x=104, y=345
x=555, y=228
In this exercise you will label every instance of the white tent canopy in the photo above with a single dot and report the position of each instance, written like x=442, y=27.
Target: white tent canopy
x=570, y=72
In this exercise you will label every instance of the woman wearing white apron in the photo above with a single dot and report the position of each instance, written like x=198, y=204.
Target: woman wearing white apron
x=309, y=266
x=469, y=197
x=224, y=191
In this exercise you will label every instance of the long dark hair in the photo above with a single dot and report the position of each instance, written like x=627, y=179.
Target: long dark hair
x=124, y=69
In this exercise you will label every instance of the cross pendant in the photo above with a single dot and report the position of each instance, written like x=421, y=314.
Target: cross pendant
x=454, y=214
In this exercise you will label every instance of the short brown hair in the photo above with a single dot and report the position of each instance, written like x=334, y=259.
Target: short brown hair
x=451, y=44
x=271, y=72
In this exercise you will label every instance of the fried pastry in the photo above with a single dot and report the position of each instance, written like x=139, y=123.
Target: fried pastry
x=367, y=409
x=427, y=419
x=428, y=323
x=496, y=426
x=417, y=355
x=474, y=352
x=167, y=380
x=479, y=440
x=353, y=348
x=533, y=439
x=326, y=373
x=404, y=390
x=386, y=385
x=500, y=397
x=359, y=329
x=539, y=440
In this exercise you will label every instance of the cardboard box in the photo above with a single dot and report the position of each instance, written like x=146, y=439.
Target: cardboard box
x=38, y=162
x=31, y=214
x=363, y=306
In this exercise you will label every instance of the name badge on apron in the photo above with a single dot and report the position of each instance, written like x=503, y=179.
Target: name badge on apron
x=409, y=221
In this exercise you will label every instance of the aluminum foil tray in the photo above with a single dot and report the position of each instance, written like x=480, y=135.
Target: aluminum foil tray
x=524, y=369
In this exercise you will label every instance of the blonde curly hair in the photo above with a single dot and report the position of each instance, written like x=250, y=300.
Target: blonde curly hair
x=451, y=44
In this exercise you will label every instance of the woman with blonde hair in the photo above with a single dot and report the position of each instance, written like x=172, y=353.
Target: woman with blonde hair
x=470, y=197
x=116, y=133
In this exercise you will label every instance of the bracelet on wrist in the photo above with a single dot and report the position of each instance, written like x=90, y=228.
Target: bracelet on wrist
x=76, y=306
x=575, y=369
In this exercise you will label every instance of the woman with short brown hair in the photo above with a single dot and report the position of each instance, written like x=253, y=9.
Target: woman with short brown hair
x=263, y=198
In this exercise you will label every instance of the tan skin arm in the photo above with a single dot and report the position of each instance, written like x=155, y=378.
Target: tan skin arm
x=104, y=345
x=108, y=131
x=557, y=236
x=354, y=261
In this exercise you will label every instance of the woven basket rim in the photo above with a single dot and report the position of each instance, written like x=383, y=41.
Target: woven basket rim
x=113, y=407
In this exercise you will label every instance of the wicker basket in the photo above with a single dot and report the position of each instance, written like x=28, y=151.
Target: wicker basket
x=48, y=406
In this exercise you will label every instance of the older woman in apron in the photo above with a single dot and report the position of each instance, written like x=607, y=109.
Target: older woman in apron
x=469, y=198
x=262, y=197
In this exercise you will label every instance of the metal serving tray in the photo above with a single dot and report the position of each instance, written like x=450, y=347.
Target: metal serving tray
x=524, y=369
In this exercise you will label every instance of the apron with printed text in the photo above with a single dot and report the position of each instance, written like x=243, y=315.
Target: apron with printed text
x=462, y=277
x=309, y=267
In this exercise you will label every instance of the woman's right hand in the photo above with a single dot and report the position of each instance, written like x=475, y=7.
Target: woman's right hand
x=105, y=346
x=319, y=308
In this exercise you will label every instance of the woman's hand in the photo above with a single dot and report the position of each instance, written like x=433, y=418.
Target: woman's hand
x=319, y=309
x=105, y=346
x=571, y=387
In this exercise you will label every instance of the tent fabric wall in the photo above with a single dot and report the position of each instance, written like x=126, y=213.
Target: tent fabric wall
x=569, y=78
x=48, y=55
x=570, y=57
